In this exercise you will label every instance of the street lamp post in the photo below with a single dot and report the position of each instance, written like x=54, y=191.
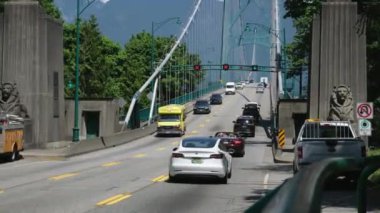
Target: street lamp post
x=155, y=27
x=76, y=95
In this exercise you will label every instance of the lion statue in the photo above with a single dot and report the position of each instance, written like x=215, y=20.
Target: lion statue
x=341, y=104
x=10, y=101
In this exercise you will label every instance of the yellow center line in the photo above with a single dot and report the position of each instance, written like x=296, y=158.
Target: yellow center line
x=160, y=178
x=114, y=199
x=139, y=155
x=160, y=148
x=60, y=177
x=119, y=199
x=207, y=120
x=175, y=142
x=201, y=125
x=1, y=191
x=194, y=132
x=111, y=164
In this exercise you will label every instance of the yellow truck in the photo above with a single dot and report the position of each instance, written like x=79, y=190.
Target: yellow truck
x=171, y=120
x=11, y=137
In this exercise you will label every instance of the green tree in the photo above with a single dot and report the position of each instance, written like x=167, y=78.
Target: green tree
x=174, y=75
x=100, y=60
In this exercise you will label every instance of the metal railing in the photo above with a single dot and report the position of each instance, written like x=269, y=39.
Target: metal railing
x=303, y=192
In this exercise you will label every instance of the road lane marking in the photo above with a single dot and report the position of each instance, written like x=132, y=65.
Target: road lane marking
x=201, y=125
x=114, y=199
x=207, y=120
x=266, y=179
x=160, y=178
x=63, y=176
x=111, y=164
x=1, y=191
x=139, y=155
x=175, y=142
x=194, y=132
x=160, y=148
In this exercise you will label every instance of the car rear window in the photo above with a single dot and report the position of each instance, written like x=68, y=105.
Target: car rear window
x=244, y=121
x=199, y=142
x=325, y=131
x=201, y=103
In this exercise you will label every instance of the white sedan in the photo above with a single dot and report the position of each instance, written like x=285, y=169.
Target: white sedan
x=200, y=157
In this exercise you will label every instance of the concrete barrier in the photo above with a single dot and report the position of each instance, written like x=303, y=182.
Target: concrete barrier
x=85, y=146
x=128, y=136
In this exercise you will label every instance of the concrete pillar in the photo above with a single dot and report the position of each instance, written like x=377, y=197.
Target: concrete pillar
x=32, y=56
x=338, y=55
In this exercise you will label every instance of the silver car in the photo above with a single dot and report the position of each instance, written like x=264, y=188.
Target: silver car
x=200, y=156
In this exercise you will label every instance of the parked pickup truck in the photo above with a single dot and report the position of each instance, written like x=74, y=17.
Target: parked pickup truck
x=318, y=140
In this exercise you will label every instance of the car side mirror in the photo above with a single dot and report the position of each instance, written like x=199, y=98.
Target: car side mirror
x=175, y=148
x=233, y=121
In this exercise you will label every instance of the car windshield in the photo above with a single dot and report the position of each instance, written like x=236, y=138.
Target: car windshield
x=169, y=117
x=230, y=86
x=201, y=103
x=199, y=142
x=216, y=96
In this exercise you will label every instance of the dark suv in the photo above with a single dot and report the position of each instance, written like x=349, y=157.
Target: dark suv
x=245, y=126
x=201, y=106
x=216, y=99
x=252, y=109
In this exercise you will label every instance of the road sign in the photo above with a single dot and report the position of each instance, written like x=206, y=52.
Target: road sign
x=365, y=127
x=364, y=110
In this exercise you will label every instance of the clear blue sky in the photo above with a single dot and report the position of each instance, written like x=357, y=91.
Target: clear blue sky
x=120, y=19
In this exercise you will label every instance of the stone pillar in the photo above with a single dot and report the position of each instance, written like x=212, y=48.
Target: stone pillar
x=338, y=55
x=32, y=57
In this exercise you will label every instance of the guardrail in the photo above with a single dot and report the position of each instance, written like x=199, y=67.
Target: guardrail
x=303, y=192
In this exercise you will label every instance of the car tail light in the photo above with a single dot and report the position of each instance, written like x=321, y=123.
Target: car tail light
x=299, y=152
x=217, y=156
x=237, y=142
x=3, y=122
x=177, y=155
x=364, y=151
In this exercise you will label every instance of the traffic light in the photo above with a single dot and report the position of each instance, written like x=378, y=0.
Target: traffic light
x=70, y=85
x=197, y=67
x=255, y=68
x=226, y=66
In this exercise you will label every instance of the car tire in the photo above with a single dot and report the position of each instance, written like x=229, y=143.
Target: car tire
x=294, y=168
x=172, y=179
x=14, y=155
x=230, y=174
x=224, y=180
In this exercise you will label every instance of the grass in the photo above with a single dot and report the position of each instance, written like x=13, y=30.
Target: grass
x=375, y=177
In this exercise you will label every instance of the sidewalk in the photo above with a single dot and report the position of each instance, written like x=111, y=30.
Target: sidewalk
x=53, y=151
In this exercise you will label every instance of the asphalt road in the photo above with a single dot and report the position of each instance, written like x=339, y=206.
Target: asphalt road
x=132, y=177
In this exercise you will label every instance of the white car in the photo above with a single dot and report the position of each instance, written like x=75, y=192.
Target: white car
x=239, y=86
x=200, y=157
